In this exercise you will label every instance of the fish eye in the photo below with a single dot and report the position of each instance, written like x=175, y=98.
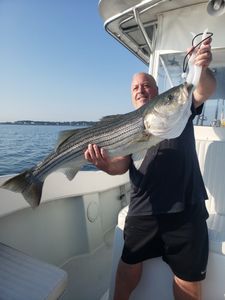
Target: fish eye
x=170, y=97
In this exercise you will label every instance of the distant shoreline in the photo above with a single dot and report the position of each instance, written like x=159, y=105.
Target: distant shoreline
x=66, y=123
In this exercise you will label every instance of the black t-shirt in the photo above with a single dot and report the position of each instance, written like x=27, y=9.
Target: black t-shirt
x=169, y=178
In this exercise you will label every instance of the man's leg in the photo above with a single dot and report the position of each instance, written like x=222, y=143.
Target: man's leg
x=127, y=278
x=186, y=290
x=188, y=244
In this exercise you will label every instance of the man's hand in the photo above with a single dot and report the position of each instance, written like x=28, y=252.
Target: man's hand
x=207, y=82
x=100, y=158
x=97, y=156
x=204, y=55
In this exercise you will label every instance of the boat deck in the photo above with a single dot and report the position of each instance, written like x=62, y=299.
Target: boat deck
x=97, y=265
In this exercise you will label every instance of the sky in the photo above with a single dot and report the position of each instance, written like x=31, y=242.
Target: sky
x=57, y=63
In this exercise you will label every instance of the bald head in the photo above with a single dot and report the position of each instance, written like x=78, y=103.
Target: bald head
x=143, y=89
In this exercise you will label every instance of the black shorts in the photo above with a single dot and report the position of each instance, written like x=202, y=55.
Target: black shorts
x=181, y=239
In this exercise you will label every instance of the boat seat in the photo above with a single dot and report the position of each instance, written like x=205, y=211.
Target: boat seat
x=122, y=217
x=210, y=146
x=155, y=268
x=155, y=271
x=216, y=225
x=23, y=277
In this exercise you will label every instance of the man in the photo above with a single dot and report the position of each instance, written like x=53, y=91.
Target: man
x=167, y=214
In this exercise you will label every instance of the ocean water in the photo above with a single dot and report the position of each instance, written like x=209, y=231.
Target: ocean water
x=23, y=146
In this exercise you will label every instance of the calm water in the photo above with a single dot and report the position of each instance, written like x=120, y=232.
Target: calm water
x=22, y=146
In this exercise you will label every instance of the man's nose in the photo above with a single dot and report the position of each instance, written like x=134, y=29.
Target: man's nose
x=140, y=88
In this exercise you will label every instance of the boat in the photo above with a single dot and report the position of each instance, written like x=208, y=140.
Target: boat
x=75, y=236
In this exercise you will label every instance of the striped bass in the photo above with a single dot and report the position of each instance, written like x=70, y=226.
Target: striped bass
x=163, y=117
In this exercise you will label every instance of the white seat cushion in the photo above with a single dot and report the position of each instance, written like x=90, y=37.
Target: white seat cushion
x=23, y=277
x=216, y=225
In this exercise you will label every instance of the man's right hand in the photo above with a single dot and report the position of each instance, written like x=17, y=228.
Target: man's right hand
x=97, y=156
x=100, y=158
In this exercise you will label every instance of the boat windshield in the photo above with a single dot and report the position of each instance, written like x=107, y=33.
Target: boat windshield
x=170, y=74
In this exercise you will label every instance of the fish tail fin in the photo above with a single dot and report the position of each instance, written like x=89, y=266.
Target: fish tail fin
x=26, y=184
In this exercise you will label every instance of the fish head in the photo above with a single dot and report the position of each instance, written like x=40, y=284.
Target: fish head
x=174, y=99
x=167, y=114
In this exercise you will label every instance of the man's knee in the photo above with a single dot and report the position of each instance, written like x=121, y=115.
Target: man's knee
x=127, y=278
x=128, y=275
x=131, y=272
x=187, y=289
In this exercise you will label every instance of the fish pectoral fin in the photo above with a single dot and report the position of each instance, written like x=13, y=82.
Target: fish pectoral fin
x=70, y=173
x=139, y=155
x=144, y=137
x=138, y=158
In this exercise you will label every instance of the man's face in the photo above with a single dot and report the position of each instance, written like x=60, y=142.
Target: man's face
x=143, y=89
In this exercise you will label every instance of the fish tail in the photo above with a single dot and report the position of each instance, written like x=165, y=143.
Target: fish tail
x=26, y=184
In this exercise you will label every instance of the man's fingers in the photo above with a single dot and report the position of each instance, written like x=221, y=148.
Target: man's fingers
x=207, y=41
x=204, y=59
x=87, y=155
x=94, y=154
x=104, y=154
x=91, y=153
x=97, y=152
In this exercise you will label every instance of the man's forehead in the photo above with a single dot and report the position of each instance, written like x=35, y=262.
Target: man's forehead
x=136, y=81
x=143, y=77
x=142, y=80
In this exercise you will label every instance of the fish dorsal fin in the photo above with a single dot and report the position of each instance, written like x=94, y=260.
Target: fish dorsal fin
x=65, y=135
x=111, y=118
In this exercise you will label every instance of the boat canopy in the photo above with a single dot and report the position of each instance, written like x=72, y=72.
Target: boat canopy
x=149, y=27
x=159, y=32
